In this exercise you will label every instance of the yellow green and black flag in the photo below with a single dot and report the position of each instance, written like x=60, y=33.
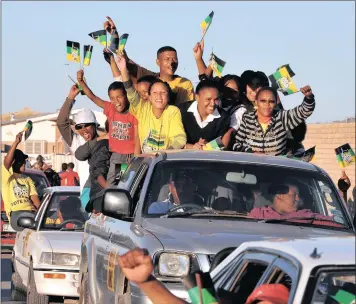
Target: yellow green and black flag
x=88, y=51
x=73, y=51
x=123, y=40
x=306, y=156
x=214, y=145
x=217, y=64
x=282, y=80
x=99, y=36
x=345, y=156
x=206, y=23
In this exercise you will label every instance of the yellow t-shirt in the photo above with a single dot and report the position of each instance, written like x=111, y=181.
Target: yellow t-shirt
x=166, y=132
x=264, y=127
x=182, y=88
x=16, y=192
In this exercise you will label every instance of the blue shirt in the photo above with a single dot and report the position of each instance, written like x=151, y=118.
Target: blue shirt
x=160, y=207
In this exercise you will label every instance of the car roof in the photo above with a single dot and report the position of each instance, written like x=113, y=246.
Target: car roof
x=228, y=156
x=62, y=189
x=333, y=250
x=34, y=171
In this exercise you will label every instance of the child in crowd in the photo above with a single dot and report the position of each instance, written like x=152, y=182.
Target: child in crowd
x=123, y=126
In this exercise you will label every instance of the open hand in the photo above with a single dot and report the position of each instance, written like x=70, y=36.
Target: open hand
x=74, y=91
x=121, y=61
x=307, y=91
x=109, y=25
x=136, y=265
x=199, y=50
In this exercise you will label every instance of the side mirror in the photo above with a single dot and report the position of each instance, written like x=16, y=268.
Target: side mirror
x=117, y=203
x=26, y=222
x=220, y=256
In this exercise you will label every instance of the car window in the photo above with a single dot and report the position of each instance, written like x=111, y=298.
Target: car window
x=64, y=211
x=129, y=175
x=335, y=287
x=220, y=186
x=40, y=182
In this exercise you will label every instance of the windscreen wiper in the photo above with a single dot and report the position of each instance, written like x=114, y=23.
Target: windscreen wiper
x=311, y=220
x=213, y=213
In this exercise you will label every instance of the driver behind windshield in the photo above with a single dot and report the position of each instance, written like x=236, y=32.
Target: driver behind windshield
x=286, y=204
x=68, y=209
x=182, y=190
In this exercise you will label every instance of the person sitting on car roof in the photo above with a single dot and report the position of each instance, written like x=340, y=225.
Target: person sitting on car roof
x=182, y=190
x=287, y=205
x=18, y=191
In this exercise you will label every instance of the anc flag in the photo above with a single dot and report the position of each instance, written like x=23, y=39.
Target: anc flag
x=113, y=44
x=99, y=36
x=206, y=23
x=215, y=144
x=217, y=64
x=282, y=80
x=28, y=129
x=123, y=40
x=73, y=51
x=88, y=51
x=306, y=156
x=345, y=156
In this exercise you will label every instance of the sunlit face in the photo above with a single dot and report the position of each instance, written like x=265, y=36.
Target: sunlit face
x=142, y=89
x=119, y=100
x=251, y=94
x=167, y=62
x=87, y=131
x=159, y=96
x=287, y=203
x=265, y=103
x=207, y=100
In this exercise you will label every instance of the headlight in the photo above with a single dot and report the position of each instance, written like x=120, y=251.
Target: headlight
x=59, y=259
x=173, y=264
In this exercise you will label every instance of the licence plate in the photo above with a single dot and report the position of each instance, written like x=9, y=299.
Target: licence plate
x=7, y=227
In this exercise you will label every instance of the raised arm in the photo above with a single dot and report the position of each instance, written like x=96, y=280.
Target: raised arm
x=9, y=158
x=63, y=121
x=98, y=101
x=292, y=118
x=198, y=55
x=109, y=57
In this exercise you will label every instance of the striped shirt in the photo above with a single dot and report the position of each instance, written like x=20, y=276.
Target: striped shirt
x=250, y=137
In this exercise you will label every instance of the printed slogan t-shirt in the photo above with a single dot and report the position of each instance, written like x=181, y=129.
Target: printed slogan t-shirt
x=121, y=130
x=16, y=192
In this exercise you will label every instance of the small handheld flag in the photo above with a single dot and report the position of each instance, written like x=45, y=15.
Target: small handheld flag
x=99, y=36
x=200, y=288
x=28, y=129
x=73, y=51
x=123, y=40
x=78, y=85
x=114, y=42
x=217, y=65
x=206, y=23
x=345, y=156
x=306, y=156
x=282, y=80
x=88, y=51
x=214, y=145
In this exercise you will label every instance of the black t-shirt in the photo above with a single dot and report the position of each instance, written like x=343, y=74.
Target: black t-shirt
x=214, y=129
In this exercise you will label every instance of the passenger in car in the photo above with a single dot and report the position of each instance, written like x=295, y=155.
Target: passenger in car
x=286, y=205
x=182, y=190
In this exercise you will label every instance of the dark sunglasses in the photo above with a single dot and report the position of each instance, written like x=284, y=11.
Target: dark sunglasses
x=81, y=126
x=264, y=101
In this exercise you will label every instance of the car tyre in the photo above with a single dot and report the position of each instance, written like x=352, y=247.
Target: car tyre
x=84, y=295
x=18, y=289
x=33, y=297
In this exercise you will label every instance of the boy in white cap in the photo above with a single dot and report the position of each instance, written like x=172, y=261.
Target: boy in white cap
x=86, y=126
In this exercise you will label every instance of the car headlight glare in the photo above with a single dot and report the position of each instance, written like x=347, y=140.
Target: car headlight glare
x=173, y=264
x=59, y=259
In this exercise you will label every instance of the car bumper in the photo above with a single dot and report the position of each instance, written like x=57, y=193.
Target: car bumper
x=138, y=297
x=66, y=287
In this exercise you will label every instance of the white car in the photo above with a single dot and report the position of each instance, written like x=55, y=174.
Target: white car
x=47, y=252
x=316, y=270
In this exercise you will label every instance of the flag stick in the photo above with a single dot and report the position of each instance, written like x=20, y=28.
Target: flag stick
x=205, y=32
x=71, y=79
x=200, y=287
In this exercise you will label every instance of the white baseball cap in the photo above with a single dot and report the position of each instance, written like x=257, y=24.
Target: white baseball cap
x=85, y=116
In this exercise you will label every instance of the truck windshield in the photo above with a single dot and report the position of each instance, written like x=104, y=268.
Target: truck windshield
x=258, y=191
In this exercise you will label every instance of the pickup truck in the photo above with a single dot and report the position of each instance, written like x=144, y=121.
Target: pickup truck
x=186, y=206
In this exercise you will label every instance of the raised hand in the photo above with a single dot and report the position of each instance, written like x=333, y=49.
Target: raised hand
x=307, y=91
x=18, y=138
x=136, y=265
x=109, y=25
x=74, y=91
x=80, y=75
x=198, y=50
x=121, y=61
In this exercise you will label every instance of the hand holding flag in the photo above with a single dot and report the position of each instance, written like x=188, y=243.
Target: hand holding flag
x=109, y=25
x=199, y=50
x=307, y=92
x=282, y=80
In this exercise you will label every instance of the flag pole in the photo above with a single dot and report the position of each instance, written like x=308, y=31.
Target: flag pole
x=205, y=32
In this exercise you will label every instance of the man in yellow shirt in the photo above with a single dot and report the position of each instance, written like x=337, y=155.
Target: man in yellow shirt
x=18, y=191
x=167, y=60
